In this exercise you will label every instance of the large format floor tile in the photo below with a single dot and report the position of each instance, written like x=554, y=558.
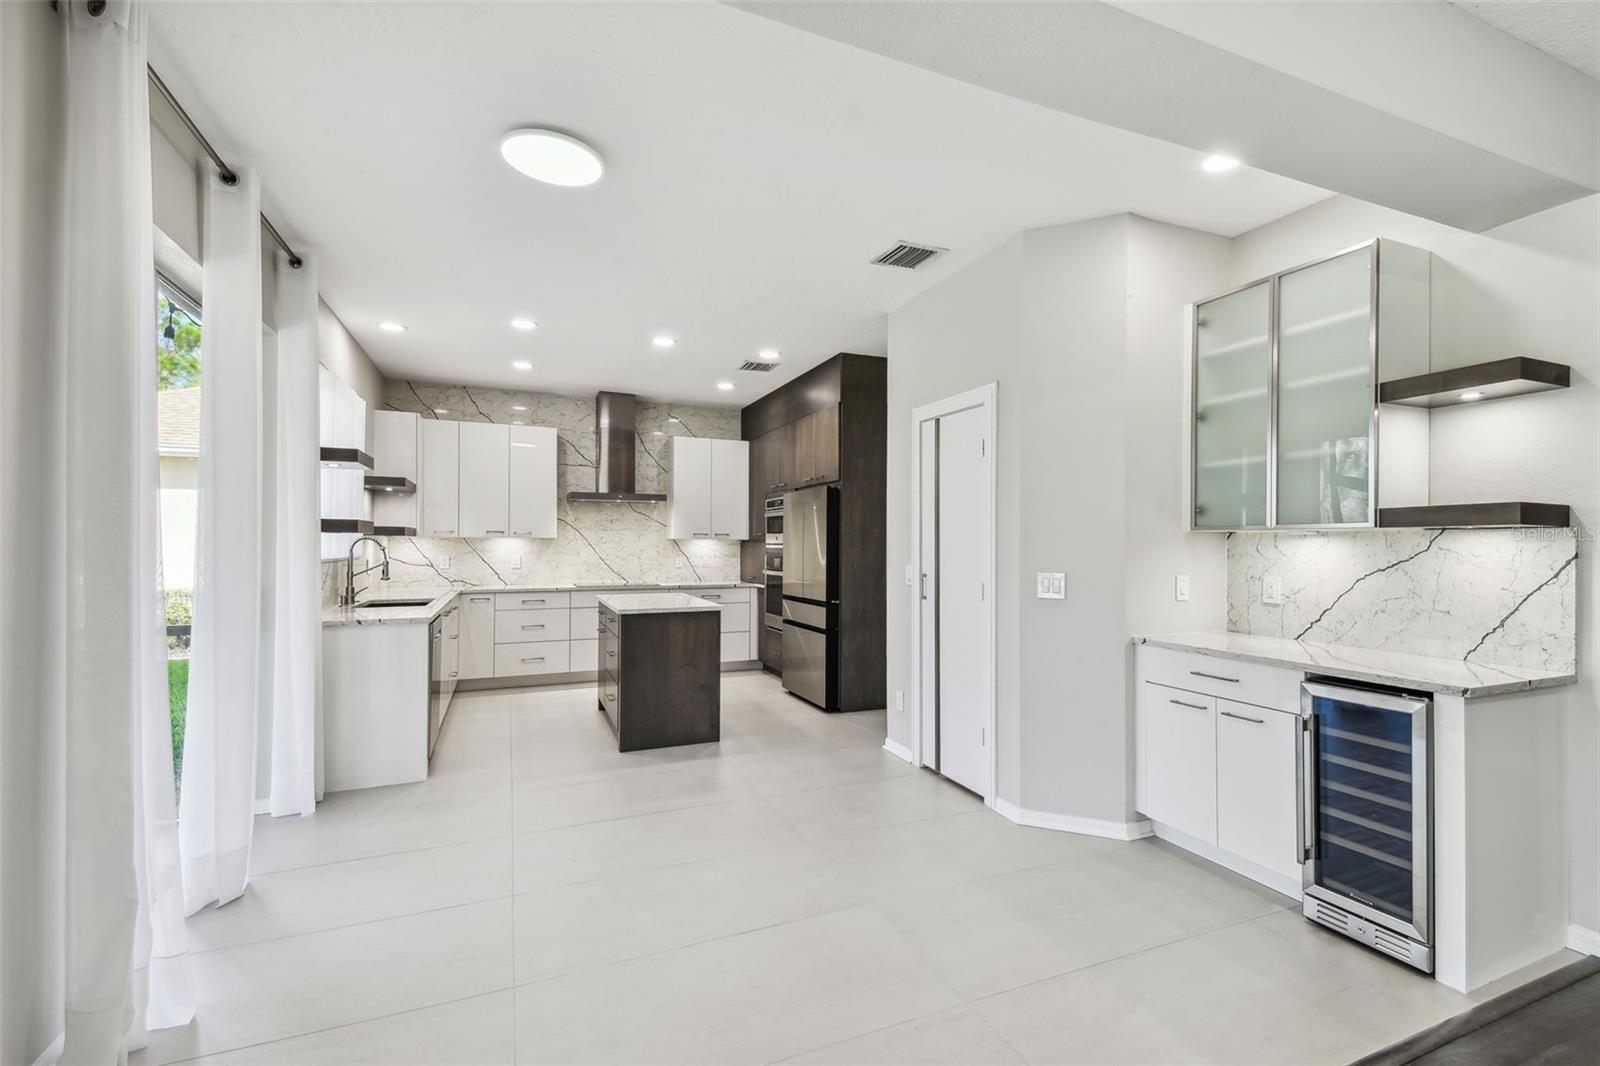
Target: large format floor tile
x=791, y=893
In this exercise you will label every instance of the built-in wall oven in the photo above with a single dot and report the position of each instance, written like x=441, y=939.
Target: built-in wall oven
x=772, y=566
x=1366, y=816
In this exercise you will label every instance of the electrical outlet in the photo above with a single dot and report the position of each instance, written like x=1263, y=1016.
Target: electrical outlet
x=1272, y=590
x=516, y=563
x=1052, y=586
x=899, y=699
x=1180, y=588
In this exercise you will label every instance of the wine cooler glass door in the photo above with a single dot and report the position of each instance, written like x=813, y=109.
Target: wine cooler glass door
x=1366, y=804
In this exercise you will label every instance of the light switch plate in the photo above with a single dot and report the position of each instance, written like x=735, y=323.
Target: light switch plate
x=1180, y=588
x=1052, y=586
x=1272, y=590
x=910, y=580
x=516, y=563
x=899, y=699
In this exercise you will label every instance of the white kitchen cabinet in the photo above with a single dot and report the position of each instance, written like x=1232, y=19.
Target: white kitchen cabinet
x=1256, y=801
x=484, y=479
x=477, y=636
x=1178, y=759
x=689, y=489
x=438, y=486
x=708, y=493
x=531, y=510
x=394, y=454
x=730, y=489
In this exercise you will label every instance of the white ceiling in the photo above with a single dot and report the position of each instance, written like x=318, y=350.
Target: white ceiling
x=1569, y=30
x=753, y=169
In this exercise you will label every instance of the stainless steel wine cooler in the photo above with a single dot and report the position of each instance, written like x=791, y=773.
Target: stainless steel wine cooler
x=1365, y=816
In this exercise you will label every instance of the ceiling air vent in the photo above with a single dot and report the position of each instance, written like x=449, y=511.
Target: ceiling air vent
x=759, y=368
x=908, y=255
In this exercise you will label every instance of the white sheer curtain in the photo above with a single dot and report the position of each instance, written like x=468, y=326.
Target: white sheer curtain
x=225, y=680
x=86, y=874
x=297, y=629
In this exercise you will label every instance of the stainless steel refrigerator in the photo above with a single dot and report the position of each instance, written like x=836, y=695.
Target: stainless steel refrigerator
x=811, y=595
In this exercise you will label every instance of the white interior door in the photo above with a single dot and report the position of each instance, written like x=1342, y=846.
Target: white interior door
x=927, y=594
x=965, y=643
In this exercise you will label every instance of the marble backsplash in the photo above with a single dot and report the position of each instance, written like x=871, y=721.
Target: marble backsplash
x=595, y=542
x=1504, y=597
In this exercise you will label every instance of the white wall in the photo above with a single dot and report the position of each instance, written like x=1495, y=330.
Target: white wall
x=342, y=354
x=1531, y=287
x=1082, y=326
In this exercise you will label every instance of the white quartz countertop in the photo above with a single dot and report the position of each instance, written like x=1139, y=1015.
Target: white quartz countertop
x=655, y=603
x=439, y=600
x=1448, y=676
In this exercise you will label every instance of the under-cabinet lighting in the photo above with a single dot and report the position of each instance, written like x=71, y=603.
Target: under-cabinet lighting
x=1473, y=395
x=521, y=364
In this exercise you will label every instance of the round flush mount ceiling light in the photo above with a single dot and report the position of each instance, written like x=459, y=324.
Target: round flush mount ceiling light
x=521, y=364
x=551, y=157
x=769, y=355
x=1473, y=395
x=524, y=324
x=662, y=340
x=725, y=386
x=1217, y=163
x=392, y=327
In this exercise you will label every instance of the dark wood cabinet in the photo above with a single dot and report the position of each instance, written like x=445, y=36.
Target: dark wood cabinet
x=660, y=677
x=824, y=432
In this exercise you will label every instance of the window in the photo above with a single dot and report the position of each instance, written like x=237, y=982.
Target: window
x=178, y=353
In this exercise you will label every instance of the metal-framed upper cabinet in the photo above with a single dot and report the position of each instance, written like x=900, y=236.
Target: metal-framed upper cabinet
x=1336, y=328
x=1232, y=409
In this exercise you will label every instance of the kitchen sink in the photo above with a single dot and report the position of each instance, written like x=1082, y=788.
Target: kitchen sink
x=371, y=604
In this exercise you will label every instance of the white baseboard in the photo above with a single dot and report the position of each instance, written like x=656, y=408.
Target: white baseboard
x=898, y=750
x=261, y=806
x=1584, y=940
x=1066, y=823
x=1287, y=886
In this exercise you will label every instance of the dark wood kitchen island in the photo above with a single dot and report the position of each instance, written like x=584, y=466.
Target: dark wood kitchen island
x=660, y=678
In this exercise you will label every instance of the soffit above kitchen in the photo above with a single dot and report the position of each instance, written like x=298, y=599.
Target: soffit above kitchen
x=752, y=171
x=1420, y=107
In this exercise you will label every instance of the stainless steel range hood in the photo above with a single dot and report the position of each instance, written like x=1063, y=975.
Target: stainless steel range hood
x=616, y=448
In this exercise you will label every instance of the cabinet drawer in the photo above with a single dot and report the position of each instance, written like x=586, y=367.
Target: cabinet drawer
x=610, y=699
x=585, y=623
x=527, y=601
x=736, y=647
x=736, y=595
x=584, y=656
x=517, y=627
x=1265, y=686
x=520, y=660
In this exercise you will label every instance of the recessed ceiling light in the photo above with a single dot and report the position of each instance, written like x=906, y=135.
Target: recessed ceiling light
x=551, y=157
x=724, y=385
x=518, y=407
x=391, y=327
x=441, y=410
x=769, y=355
x=661, y=340
x=1218, y=163
x=524, y=324
x=1473, y=395
x=521, y=364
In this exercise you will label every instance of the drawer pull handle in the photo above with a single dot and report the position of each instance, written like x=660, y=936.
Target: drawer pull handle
x=499, y=531
x=611, y=698
x=453, y=673
x=1192, y=706
x=538, y=626
x=1245, y=718
x=611, y=655
x=710, y=596
x=532, y=601
x=538, y=659
x=454, y=636
x=479, y=599
x=1214, y=677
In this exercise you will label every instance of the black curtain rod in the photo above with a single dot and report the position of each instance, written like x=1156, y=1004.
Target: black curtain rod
x=225, y=172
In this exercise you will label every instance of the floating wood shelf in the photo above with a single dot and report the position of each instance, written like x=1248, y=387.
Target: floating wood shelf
x=1470, y=515
x=399, y=486
x=394, y=531
x=1476, y=383
x=345, y=458
x=346, y=525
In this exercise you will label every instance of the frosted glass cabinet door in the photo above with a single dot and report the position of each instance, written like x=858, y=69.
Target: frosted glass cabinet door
x=1232, y=409
x=1325, y=392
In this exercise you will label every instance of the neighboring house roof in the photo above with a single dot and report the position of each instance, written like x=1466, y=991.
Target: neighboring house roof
x=178, y=421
